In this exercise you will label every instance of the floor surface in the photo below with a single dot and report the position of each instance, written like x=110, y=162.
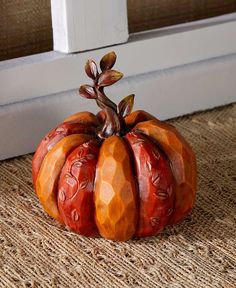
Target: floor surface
x=200, y=252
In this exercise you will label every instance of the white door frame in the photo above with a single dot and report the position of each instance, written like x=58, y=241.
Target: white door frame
x=80, y=25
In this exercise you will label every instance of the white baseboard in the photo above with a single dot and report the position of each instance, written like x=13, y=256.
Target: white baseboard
x=166, y=93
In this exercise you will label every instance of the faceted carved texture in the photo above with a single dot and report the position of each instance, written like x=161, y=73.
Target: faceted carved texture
x=119, y=207
x=46, y=183
x=183, y=163
x=84, y=117
x=115, y=191
x=156, y=185
x=136, y=117
x=75, y=189
x=84, y=125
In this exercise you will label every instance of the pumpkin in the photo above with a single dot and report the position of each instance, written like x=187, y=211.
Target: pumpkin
x=119, y=174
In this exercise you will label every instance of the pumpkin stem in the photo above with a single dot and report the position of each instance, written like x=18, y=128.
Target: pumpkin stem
x=111, y=115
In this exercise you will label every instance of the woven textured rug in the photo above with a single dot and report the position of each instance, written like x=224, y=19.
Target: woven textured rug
x=200, y=252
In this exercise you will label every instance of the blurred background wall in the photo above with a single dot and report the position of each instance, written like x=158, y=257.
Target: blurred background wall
x=26, y=24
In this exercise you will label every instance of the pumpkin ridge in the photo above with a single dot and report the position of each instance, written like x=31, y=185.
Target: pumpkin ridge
x=133, y=167
x=183, y=163
x=115, y=191
x=136, y=117
x=85, y=117
x=76, y=188
x=46, y=184
x=156, y=185
x=52, y=138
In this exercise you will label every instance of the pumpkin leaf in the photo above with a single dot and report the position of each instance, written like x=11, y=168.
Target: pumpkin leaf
x=87, y=91
x=109, y=77
x=126, y=105
x=108, y=61
x=91, y=69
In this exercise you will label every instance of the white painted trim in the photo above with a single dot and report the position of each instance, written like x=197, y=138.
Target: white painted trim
x=167, y=93
x=49, y=73
x=80, y=25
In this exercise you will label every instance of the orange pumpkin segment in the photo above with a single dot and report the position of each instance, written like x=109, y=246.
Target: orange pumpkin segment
x=156, y=185
x=115, y=191
x=75, y=189
x=85, y=117
x=46, y=184
x=183, y=164
x=136, y=117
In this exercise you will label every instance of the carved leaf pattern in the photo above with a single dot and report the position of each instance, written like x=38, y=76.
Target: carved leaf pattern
x=149, y=165
x=75, y=215
x=155, y=178
x=80, y=162
x=80, y=153
x=83, y=184
x=169, y=190
x=90, y=156
x=70, y=179
x=62, y=195
x=170, y=211
x=156, y=154
x=154, y=221
x=162, y=194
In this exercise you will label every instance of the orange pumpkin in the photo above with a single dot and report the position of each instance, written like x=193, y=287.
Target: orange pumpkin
x=118, y=174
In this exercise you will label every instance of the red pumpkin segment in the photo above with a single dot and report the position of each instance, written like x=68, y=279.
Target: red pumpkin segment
x=115, y=191
x=46, y=184
x=75, y=189
x=52, y=138
x=156, y=185
x=136, y=117
x=183, y=164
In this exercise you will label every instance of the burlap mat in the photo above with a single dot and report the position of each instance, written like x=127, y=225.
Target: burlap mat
x=200, y=252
